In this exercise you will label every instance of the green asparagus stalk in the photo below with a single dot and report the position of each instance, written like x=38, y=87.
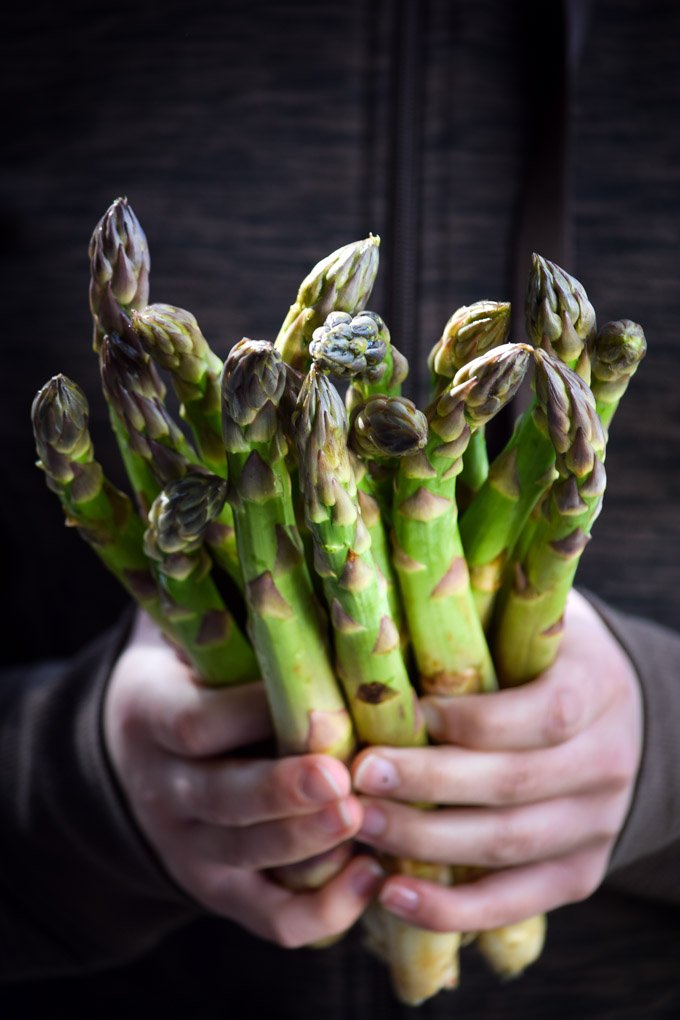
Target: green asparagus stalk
x=528, y=624
x=381, y=430
x=561, y=320
x=119, y=270
x=368, y=657
x=358, y=349
x=172, y=337
x=617, y=352
x=285, y=620
x=107, y=521
x=174, y=540
x=102, y=513
x=448, y=641
x=343, y=281
x=153, y=447
x=470, y=332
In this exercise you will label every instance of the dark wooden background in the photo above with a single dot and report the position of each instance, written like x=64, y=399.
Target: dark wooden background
x=252, y=138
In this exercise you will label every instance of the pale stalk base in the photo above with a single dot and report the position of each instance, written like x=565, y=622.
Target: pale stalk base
x=510, y=950
x=422, y=963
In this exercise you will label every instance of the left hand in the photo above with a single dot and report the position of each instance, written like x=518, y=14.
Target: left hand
x=534, y=783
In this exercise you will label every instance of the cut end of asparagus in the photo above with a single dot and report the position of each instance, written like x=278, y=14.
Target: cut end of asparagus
x=510, y=950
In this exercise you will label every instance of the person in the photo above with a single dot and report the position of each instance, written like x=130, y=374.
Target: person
x=136, y=835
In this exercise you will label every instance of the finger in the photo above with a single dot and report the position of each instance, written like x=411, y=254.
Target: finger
x=499, y=899
x=551, y=710
x=597, y=759
x=242, y=793
x=277, y=843
x=497, y=838
x=194, y=721
x=566, y=699
x=292, y=919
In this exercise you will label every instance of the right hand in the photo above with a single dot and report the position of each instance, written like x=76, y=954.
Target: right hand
x=219, y=821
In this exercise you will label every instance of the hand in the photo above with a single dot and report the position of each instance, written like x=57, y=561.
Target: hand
x=535, y=784
x=218, y=821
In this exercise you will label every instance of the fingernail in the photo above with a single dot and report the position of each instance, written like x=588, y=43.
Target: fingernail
x=320, y=785
x=366, y=879
x=433, y=716
x=336, y=819
x=374, y=822
x=400, y=899
x=375, y=775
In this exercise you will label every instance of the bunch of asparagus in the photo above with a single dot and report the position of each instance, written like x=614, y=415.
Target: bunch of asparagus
x=306, y=495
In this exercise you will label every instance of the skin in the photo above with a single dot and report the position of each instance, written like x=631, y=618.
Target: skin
x=534, y=782
x=219, y=816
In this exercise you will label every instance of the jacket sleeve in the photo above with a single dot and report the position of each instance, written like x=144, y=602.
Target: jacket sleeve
x=79, y=888
x=646, y=858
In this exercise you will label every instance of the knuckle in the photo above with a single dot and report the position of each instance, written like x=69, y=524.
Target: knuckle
x=516, y=782
x=510, y=844
x=564, y=712
x=186, y=729
x=479, y=727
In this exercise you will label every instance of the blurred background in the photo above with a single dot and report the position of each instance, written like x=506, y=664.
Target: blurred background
x=252, y=138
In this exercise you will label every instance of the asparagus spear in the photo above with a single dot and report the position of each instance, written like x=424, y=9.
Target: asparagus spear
x=470, y=332
x=528, y=620
x=617, y=352
x=358, y=349
x=106, y=519
x=119, y=270
x=369, y=661
x=153, y=447
x=528, y=625
x=561, y=320
x=559, y=316
x=175, y=342
x=343, y=281
x=381, y=430
x=368, y=656
x=448, y=640
x=174, y=540
x=102, y=513
x=285, y=620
